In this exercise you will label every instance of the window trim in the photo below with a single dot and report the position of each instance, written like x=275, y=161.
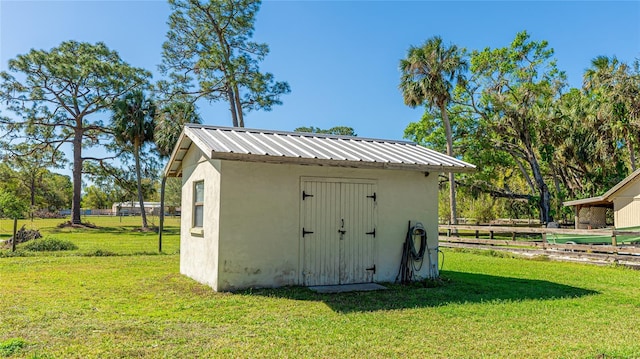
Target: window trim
x=195, y=227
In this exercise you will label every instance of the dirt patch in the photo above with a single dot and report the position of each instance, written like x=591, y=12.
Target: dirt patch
x=86, y=225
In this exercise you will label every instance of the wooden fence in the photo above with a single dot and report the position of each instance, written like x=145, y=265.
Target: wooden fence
x=491, y=230
x=476, y=231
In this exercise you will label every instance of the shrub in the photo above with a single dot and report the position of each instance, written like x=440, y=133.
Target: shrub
x=50, y=245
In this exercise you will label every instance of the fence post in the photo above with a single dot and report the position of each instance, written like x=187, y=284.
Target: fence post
x=614, y=240
x=490, y=234
x=477, y=234
x=544, y=237
x=513, y=236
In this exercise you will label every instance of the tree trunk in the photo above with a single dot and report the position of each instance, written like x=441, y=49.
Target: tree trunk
x=227, y=66
x=453, y=219
x=163, y=184
x=632, y=155
x=77, y=174
x=232, y=107
x=238, y=105
x=544, y=203
x=32, y=188
x=136, y=154
x=15, y=232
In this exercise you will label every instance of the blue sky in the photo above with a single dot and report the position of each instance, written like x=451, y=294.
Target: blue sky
x=339, y=57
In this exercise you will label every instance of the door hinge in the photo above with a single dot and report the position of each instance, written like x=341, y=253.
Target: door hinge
x=373, y=269
x=372, y=233
x=305, y=232
x=374, y=196
x=305, y=195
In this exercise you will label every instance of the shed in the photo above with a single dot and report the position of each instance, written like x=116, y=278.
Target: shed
x=268, y=208
x=623, y=199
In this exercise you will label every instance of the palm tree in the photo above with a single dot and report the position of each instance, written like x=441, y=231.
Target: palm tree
x=429, y=74
x=169, y=124
x=133, y=125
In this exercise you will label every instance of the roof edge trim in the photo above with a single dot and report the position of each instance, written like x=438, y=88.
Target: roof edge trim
x=337, y=163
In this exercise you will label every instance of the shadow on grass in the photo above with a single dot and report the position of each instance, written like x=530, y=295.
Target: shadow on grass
x=91, y=230
x=454, y=288
x=128, y=230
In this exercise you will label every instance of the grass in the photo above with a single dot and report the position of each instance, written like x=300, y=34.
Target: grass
x=74, y=306
x=119, y=236
x=11, y=346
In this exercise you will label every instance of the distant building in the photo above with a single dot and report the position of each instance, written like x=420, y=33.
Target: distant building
x=133, y=208
x=623, y=199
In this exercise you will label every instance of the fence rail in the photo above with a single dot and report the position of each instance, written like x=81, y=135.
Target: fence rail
x=614, y=249
x=490, y=230
x=545, y=246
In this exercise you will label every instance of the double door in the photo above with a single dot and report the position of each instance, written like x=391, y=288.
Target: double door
x=338, y=229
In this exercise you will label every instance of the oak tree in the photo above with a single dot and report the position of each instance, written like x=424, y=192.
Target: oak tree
x=516, y=89
x=12, y=207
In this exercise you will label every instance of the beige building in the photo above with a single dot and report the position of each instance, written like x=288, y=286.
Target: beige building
x=268, y=209
x=623, y=199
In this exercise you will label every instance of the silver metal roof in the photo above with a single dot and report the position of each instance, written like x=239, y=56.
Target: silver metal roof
x=244, y=144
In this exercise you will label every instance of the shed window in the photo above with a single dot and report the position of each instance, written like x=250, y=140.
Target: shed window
x=198, y=204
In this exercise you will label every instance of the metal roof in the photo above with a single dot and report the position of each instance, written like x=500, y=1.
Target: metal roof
x=607, y=197
x=599, y=201
x=253, y=145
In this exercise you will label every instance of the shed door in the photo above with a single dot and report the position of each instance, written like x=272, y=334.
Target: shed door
x=338, y=232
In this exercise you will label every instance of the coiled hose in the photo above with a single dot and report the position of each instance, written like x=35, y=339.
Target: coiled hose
x=412, y=259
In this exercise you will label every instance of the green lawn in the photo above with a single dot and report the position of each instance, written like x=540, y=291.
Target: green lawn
x=73, y=306
x=113, y=235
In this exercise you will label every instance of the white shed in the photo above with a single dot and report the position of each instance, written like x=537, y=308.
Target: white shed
x=623, y=198
x=267, y=208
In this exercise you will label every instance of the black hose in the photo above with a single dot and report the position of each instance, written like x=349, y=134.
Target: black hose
x=417, y=230
x=412, y=259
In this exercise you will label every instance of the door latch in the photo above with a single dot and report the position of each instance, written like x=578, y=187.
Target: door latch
x=305, y=232
x=372, y=233
x=373, y=269
x=342, y=230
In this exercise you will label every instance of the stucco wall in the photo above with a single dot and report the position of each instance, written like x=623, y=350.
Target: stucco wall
x=259, y=236
x=626, y=204
x=198, y=251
